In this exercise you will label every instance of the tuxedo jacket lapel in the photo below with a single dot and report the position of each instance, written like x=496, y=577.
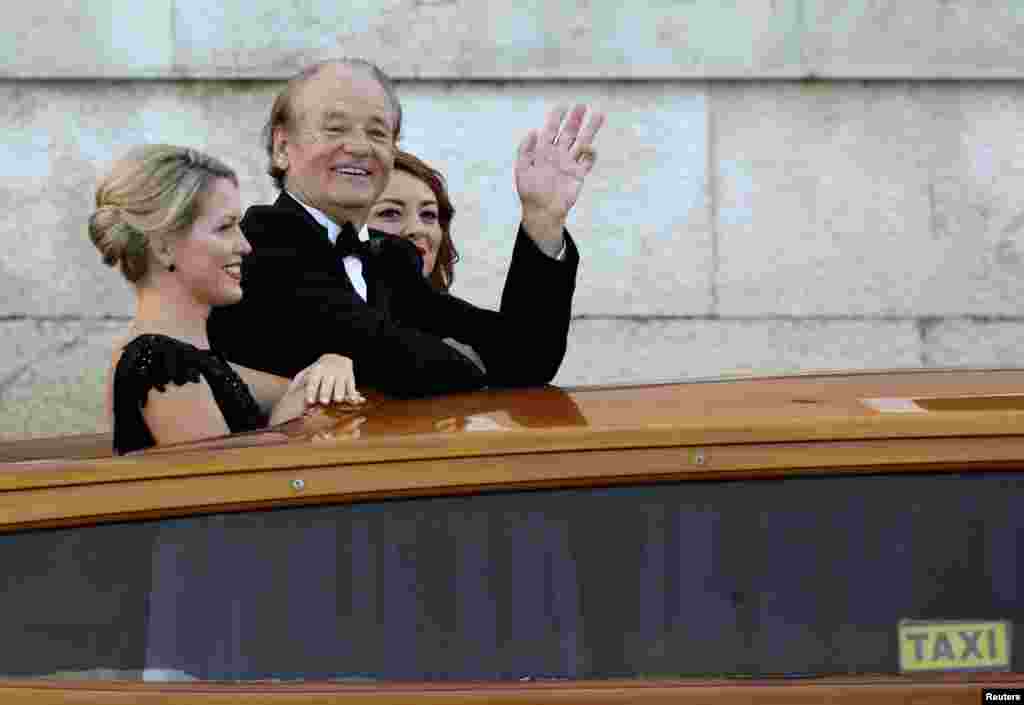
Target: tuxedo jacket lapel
x=286, y=202
x=318, y=246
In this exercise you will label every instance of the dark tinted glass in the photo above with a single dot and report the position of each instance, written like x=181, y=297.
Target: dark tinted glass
x=797, y=575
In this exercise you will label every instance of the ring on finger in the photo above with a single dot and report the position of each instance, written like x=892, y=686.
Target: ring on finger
x=586, y=152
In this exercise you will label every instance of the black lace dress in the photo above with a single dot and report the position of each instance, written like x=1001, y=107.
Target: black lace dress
x=152, y=361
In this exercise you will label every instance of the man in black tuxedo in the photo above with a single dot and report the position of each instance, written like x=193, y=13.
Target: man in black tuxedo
x=313, y=283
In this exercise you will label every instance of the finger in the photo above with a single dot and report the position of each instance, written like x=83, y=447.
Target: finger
x=348, y=389
x=524, y=155
x=326, y=389
x=549, y=132
x=312, y=388
x=351, y=395
x=572, y=126
x=341, y=390
x=586, y=135
x=586, y=157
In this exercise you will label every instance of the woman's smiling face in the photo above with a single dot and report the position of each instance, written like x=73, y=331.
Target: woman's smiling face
x=208, y=259
x=408, y=209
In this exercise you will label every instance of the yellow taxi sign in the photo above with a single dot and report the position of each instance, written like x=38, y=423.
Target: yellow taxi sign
x=952, y=645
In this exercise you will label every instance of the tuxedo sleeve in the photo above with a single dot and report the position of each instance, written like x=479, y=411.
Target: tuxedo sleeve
x=524, y=343
x=295, y=309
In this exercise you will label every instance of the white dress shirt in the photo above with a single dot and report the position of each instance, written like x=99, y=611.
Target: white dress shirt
x=353, y=265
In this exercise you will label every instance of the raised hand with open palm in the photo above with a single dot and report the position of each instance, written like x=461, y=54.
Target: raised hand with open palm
x=551, y=166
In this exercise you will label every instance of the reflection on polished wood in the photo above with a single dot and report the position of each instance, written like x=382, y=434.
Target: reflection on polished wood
x=805, y=407
x=539, y=437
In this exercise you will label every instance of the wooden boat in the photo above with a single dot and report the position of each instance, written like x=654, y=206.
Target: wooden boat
x=726, y=541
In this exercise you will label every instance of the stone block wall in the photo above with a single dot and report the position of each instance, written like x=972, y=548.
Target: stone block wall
x=782, y=184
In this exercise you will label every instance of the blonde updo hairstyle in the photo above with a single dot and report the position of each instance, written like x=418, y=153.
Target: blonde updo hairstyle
x=153, y=191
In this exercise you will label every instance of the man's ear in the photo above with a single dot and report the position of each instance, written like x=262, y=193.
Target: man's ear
x=281, y=147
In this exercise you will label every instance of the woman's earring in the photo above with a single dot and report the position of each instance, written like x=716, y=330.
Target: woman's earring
x=171, y=267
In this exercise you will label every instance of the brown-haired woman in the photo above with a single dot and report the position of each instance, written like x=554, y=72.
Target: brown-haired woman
x=168, y=217
x=415, y=205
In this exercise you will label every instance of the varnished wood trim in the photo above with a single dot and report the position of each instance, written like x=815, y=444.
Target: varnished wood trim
x=947, y=425
x=95, y=445
x=846, y=691
x=756, y=375
x=66, y=505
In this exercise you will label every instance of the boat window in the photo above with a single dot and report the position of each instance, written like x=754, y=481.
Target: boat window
x=798, y=575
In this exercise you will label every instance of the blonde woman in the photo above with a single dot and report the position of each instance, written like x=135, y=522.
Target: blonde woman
x=168, y=217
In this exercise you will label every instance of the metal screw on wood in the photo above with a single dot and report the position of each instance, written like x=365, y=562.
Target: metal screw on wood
x=698, y=456
x=298, y=485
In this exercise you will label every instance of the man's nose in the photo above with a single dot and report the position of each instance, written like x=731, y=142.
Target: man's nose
x=245, y=248
x=356, y=142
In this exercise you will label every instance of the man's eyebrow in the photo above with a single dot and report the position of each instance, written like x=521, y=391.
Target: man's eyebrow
x=342, y=115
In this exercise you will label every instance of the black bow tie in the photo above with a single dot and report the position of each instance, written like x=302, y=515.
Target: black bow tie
x=348, y=244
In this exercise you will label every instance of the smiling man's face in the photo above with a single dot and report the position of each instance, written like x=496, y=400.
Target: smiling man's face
x=339, y=151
